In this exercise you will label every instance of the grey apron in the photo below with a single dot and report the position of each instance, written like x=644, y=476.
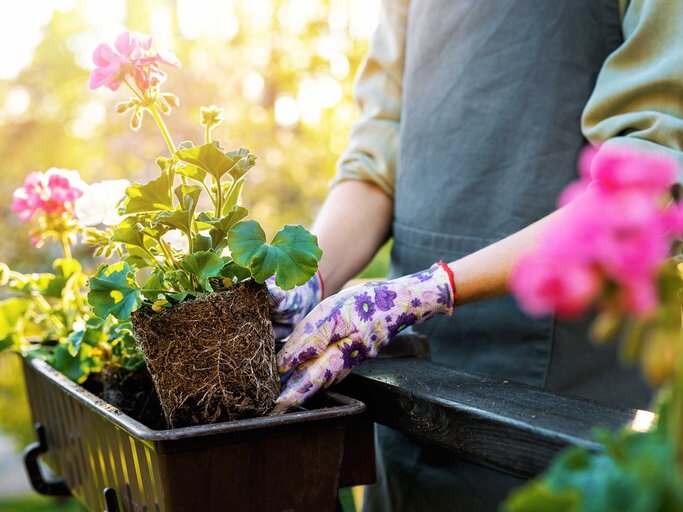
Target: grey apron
x=493, y=92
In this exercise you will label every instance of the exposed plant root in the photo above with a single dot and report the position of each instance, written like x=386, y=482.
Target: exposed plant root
x=213, y=358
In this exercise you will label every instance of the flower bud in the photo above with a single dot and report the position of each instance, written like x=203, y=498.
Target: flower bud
x=172, y=99
x=211, y=116
x=123, y=107
x=163, y=106
x=136, y=120
x=4, y=274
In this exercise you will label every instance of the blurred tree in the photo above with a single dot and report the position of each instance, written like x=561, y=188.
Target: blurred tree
x=282, y=70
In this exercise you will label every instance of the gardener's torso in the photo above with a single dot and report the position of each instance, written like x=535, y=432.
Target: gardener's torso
x=493, y=93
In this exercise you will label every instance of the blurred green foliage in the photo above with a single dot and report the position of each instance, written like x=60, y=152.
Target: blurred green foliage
x=15, y=417
x=37, y=503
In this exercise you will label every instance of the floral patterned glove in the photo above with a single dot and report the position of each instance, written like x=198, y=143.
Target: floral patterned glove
x=353, y=325
x=293, y=305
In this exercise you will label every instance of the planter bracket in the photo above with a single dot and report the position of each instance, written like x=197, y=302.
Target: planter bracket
x=111, y=503
x=55, y=487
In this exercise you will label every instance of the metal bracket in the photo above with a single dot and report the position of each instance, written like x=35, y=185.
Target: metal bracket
x=111, y=503
x=55, y=487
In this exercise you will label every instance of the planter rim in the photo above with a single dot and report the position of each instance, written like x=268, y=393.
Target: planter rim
x=347, y=407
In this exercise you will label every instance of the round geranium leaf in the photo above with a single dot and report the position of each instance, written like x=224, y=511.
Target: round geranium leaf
x=292, y=256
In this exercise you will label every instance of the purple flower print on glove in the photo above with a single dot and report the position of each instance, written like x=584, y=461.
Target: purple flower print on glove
x=346, y=329
x=293, y=305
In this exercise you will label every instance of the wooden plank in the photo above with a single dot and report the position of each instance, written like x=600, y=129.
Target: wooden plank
x=512, y=426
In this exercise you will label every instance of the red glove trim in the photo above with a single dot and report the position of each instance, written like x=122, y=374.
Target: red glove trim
x=451, y=278
x=322, y=285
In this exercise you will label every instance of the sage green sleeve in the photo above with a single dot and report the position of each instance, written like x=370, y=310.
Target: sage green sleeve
x=373, y=143
x=638, y=97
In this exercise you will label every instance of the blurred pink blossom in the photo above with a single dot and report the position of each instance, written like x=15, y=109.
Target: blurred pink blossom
x=544, y=285
x=622, y=169
x=618, y=231
x=54, y=191
x=132, y=55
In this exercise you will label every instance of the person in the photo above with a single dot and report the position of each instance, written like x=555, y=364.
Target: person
x=473, y=116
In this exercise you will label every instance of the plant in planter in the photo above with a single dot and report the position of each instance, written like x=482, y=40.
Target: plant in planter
x=45, y=315
x=192, y=269
x=614, y=254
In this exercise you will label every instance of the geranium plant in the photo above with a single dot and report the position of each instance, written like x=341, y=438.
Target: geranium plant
x=192, y=250
x=191, y=266
x=45, y=314
x=617, y=251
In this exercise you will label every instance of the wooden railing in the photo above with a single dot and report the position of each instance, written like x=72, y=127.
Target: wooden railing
x=512, y=426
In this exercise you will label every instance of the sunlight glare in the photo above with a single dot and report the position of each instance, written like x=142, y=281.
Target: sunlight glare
x=194, y=21
x=286, y=111
x=643, y=421
x=21, y=30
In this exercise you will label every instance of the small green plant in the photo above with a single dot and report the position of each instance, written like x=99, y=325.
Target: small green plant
x=185, y=228
x=45, y=314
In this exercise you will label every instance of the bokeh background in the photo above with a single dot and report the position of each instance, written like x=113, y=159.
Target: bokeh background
x=282, y=70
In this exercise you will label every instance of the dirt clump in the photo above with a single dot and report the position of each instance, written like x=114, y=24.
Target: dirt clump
x=133, y=393
x=212, y=359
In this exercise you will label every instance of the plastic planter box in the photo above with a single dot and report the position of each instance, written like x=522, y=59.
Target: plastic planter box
x=109, y=461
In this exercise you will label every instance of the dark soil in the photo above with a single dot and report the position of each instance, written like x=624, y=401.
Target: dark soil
x=212, y=359
x=133, y=393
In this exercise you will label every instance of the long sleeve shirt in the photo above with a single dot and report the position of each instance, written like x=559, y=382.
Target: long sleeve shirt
x=637, y=99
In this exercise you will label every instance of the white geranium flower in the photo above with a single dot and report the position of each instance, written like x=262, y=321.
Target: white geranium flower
x=177, y=240
x=100, y=202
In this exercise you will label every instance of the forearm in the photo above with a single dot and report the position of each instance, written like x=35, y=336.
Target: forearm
x=352, y=225
x=486, y=273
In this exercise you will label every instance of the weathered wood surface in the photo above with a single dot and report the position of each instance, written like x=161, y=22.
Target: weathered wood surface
x=512, y=426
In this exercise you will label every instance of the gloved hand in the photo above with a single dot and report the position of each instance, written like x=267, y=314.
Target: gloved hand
x=354, y=324
x=293, y=305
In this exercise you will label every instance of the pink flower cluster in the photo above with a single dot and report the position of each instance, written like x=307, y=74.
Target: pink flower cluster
x=131, y=56
x=611, y=240
x=54, y=191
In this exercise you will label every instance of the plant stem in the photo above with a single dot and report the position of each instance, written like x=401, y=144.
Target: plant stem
x=125, y=80
x=168, y=253
x=65, y=246
x=162, y=127
x=207, y=135
x=219, y=198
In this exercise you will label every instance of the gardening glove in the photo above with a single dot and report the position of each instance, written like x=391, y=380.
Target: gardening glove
x=291, y=306
x=351, y=326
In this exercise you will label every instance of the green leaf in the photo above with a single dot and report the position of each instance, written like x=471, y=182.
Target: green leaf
x=201, y=242
x=233, y=271
x=155, y=285
x=130, y=235
x=113, y=290
x=188, y=196
x=137, y=257
x=232, y=195
x=203, y=265
x=70, y=365
x=179, y=219
x=221, y=227
x=178, y=280
x=191, y=171
x=292, y=256
x=244, y=161
x=152, y=196
x=11, y=312
x=209, y=158
x=66, y=267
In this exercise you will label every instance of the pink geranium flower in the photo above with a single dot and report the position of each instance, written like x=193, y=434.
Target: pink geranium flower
x=543, y=285
x=626, y=169
x=131, y=56
x=54, y=191
x=618, y=231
